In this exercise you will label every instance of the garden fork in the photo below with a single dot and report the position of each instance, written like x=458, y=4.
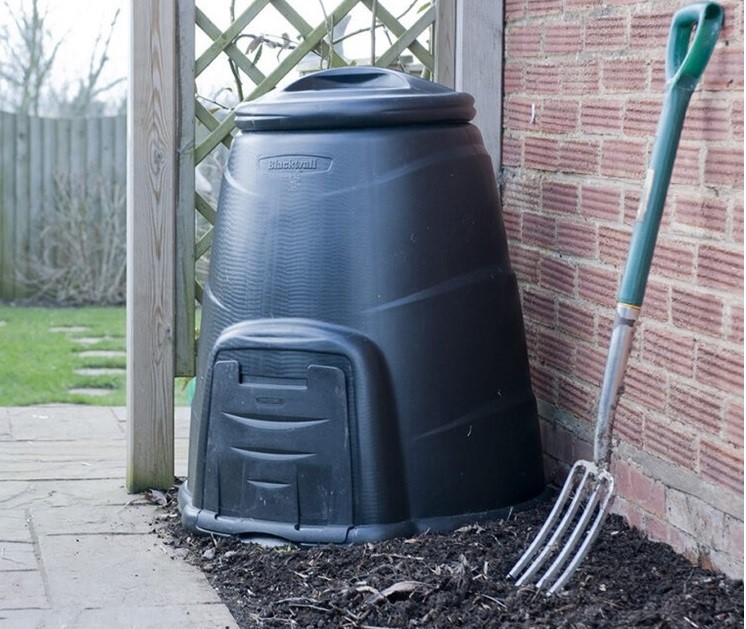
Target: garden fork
x=585, y=499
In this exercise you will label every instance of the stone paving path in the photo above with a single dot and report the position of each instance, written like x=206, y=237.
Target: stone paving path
x=75, y=549
x=89, y=343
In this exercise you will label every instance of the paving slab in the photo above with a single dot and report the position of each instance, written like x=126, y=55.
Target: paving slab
x=75, y=549
x=64, y=422
x=22, y=590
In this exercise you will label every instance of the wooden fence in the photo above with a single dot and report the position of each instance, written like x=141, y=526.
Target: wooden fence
x=36, y=153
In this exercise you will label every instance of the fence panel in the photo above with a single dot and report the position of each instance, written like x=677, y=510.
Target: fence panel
x=35, y=154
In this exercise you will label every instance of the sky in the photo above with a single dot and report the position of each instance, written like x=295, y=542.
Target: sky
x=79, y=22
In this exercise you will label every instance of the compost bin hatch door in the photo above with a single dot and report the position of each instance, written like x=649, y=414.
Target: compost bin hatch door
x=355, y=97
x=278, y=448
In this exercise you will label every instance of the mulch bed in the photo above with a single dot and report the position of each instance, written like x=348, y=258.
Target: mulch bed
x=455, y=580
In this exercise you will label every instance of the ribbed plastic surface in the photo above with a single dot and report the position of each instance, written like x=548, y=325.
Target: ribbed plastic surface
x=379, y=252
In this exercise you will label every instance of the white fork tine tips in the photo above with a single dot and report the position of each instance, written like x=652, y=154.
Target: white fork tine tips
x=568, y=533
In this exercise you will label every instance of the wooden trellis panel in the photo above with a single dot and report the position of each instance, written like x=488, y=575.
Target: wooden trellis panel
x=220, y=129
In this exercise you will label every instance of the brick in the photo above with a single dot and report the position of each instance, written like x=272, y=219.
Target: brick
x=543, y=7
x=651, y=30
x=601, y=116
x=559, y=197
x=632, y=515
x=579, y=156
x=719, y=267
x=513, y=78
x=695, y=408
x=625, y=75
x=541, y=153
x=724, y=165
x=674, y=259
x=658, y=75
x=512, y=151
x=669, y=350
x=645, y=386
x=590, y=363
x=657, y=301
x=725, y=69
x=542, y=79
x=597, y=284
x=523, y=41
x=555, y=351
x=539, y=306
x=735, y=324
x=559, y=116
x=514, y=10
x=537, y=229
x=575, y=320
x=680, y=542
x=606, y=33
x=518, y=113
x=723, y=465
x=575, y=398
x=695, y=517
x=707, y=120
x=670, y=444
x=632, y=203
x=629, y=423
x=641, y=117
x=563, y=38
x=525, y=263
x=640, y=489
x=734, y=423
x=600, y=202
x=580, y=78
x=543, y=382
x=623, y=158
x=521, y=194
x=577, y=239
x=719, y=367
x=686, y=168
x=613, y=244
x=512, y=223
x=556, y=275
x=703, y=213
x=697, y=311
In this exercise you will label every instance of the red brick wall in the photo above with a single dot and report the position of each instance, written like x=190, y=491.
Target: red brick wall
x=583, y=88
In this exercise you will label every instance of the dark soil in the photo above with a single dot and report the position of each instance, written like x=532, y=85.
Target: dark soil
x=457, y=580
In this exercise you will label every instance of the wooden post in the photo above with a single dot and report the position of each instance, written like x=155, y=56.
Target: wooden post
x=151, y=201
x=469, y=58
x=184, y=331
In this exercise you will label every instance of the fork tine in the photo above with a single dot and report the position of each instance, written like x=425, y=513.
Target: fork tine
x=550, y=521
x=573, y=539
x=567, y=519
x=591, y=536
x=592, y=495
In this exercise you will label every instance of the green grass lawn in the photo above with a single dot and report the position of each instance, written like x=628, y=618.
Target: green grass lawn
x=38, y=365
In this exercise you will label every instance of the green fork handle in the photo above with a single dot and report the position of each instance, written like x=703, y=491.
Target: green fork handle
x=685, y=63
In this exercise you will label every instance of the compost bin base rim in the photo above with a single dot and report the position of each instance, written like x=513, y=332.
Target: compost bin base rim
x=206, y=522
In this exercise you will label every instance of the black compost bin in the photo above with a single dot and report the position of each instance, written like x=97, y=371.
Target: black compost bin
x=362, y=368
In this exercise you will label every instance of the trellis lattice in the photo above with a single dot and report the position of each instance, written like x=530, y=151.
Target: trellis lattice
x=242, y=50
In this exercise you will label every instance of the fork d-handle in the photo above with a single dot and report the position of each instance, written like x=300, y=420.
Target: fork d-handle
x=685, y=63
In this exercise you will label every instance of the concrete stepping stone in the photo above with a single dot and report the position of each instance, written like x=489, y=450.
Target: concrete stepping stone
x=70, y=329
x=100, y=371
x=102, y=353
x=90, y=391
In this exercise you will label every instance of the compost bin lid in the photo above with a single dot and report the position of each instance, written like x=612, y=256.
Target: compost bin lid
x=355, y=97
